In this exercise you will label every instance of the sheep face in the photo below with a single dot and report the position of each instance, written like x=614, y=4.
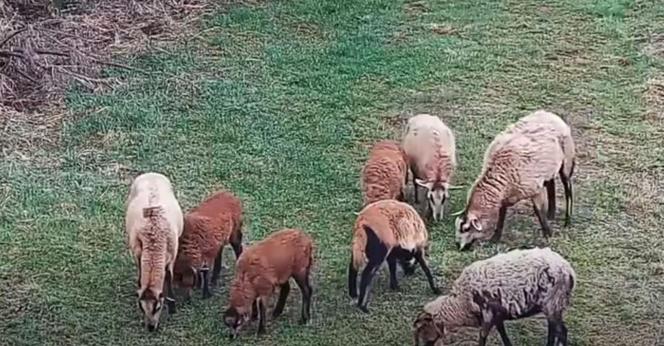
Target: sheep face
x=151, y=304
x=235, y=320
x=426, y=332
x=437, y=194
x=472, y=227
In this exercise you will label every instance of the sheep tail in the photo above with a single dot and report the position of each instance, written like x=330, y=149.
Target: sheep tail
x=358, y=246
x=152, y=212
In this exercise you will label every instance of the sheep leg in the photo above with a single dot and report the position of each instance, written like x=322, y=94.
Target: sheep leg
x=484, y=333
x=562, y=333
x=283, y=294
x=206, y=283
x=352, y=280
x=551, y=334
x=567, y=184
x=216, y=271
x=503, y=333
x=261, y=316
x=414, y=187
x=419, y=256
x=538, y=205
x=236, y=243
x=170, y=301
x=392, y=265
x=306, y=290
x=500, y=225
x=254, y=310
x=365, y=284
x=551, y=198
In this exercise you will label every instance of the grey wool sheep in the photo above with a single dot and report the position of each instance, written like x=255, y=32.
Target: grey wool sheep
x=521, y=163
x=513, y=285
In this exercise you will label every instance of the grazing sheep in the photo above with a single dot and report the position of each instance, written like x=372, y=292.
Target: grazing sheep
x=153, y=224
x=385, y=173
x=521, y=163
x=508, y=286
x=391, y=230
x=430, y=147
x=264, y=266
x=215, y=223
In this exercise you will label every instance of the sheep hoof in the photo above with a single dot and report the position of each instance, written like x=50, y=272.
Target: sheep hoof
x=394, y=287
x=364, y=309
x=436, y=290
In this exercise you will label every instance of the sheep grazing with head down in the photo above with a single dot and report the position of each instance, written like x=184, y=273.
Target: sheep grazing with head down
x=391, y=230
x=153, y=223
x=262, y=268
x=215, y=223
x=521, y=163
x=430, y=147
x=385, y=172
x=508, y=286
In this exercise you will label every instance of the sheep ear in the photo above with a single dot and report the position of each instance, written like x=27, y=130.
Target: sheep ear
x=476, y=224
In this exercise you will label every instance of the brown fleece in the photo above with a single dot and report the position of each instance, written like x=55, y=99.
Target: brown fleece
x=384, y=173
x=156, y=251
x=395, y=223
x=269, y=263
x=207, y=228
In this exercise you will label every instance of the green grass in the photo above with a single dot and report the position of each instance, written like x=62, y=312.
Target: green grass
x=279, y=104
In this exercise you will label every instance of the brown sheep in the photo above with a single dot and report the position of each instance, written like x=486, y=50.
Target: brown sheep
x=430, y=147
x=385, y=173
x=153, y=223
x=521, y=163
x=262, y=268
x=215, y=223
x=387, y=229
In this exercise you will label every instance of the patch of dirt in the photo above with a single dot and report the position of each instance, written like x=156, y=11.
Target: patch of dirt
x=654, y=97
x=48, y=46
x=655, y=47
x=416, y=8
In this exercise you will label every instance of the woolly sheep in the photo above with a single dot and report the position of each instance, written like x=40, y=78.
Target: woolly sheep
x=430, y=147
x=153, y=224
x=215, y=223
x=264, y=266
x=387, y=229
x=513, y=285
x=521, y=163
x=384, y=174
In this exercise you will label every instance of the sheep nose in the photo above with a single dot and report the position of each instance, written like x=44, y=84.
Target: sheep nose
x=464, y=247
x=151, y=328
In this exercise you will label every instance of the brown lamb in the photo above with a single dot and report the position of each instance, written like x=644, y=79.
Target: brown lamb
x=262, y=268
x=215, y=223
x=386, y=230
x=385, y=173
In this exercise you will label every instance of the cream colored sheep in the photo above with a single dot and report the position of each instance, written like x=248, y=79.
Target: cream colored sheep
x=513, y=285
x=521, y=163
x=430, y=147
x=153, y=224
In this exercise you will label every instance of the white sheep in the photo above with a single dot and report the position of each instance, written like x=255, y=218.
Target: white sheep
x=430, y=147
x=521, y=163
x=508, y=286
x=153, y=223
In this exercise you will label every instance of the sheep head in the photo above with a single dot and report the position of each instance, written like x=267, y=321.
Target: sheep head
x=151, y=303
x=471, y=226
x=426, y=332
x=235, y=319
x=437, y=194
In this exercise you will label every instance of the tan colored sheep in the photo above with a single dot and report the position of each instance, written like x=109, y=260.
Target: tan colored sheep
x=153, y=224
x=262, y=268
x=215, y=223
x=513, y=285
x=430, y=147
x=521, y=163
x=386, y=230
x=385, y=172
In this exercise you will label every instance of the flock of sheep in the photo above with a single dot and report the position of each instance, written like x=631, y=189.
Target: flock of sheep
x=172, y=249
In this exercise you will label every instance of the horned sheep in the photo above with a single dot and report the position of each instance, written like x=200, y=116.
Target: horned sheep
x=384, y=174
x=430, y=147
x=387, y=229
x=262, y=268
x=513, y=285
x=521, y=163
x=213, y=224
x=153, y=224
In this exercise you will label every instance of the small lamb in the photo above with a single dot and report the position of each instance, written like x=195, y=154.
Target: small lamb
x=153, y=223
x=513, y=285
x=521, y=163
x=430, y=147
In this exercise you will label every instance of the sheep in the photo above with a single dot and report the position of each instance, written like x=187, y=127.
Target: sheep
x=384, y=175
x=521, y=163
x=513, y=285
x=215, y=223
x=264, y=266
x=153, y=224
x=386, y=229
x=430, y=147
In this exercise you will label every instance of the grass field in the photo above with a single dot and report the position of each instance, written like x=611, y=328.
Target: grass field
x=279, y=101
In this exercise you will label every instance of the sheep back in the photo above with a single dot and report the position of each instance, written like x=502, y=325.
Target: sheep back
x=396, y=224
x=384, y=173
x=430, y=147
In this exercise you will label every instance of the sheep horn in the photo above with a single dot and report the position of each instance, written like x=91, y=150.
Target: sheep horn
x=458, y=212
x=456, y=187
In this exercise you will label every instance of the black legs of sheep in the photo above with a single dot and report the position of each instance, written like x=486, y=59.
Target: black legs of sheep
x=567, y=184
x=557, y=330
x=551, y=199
